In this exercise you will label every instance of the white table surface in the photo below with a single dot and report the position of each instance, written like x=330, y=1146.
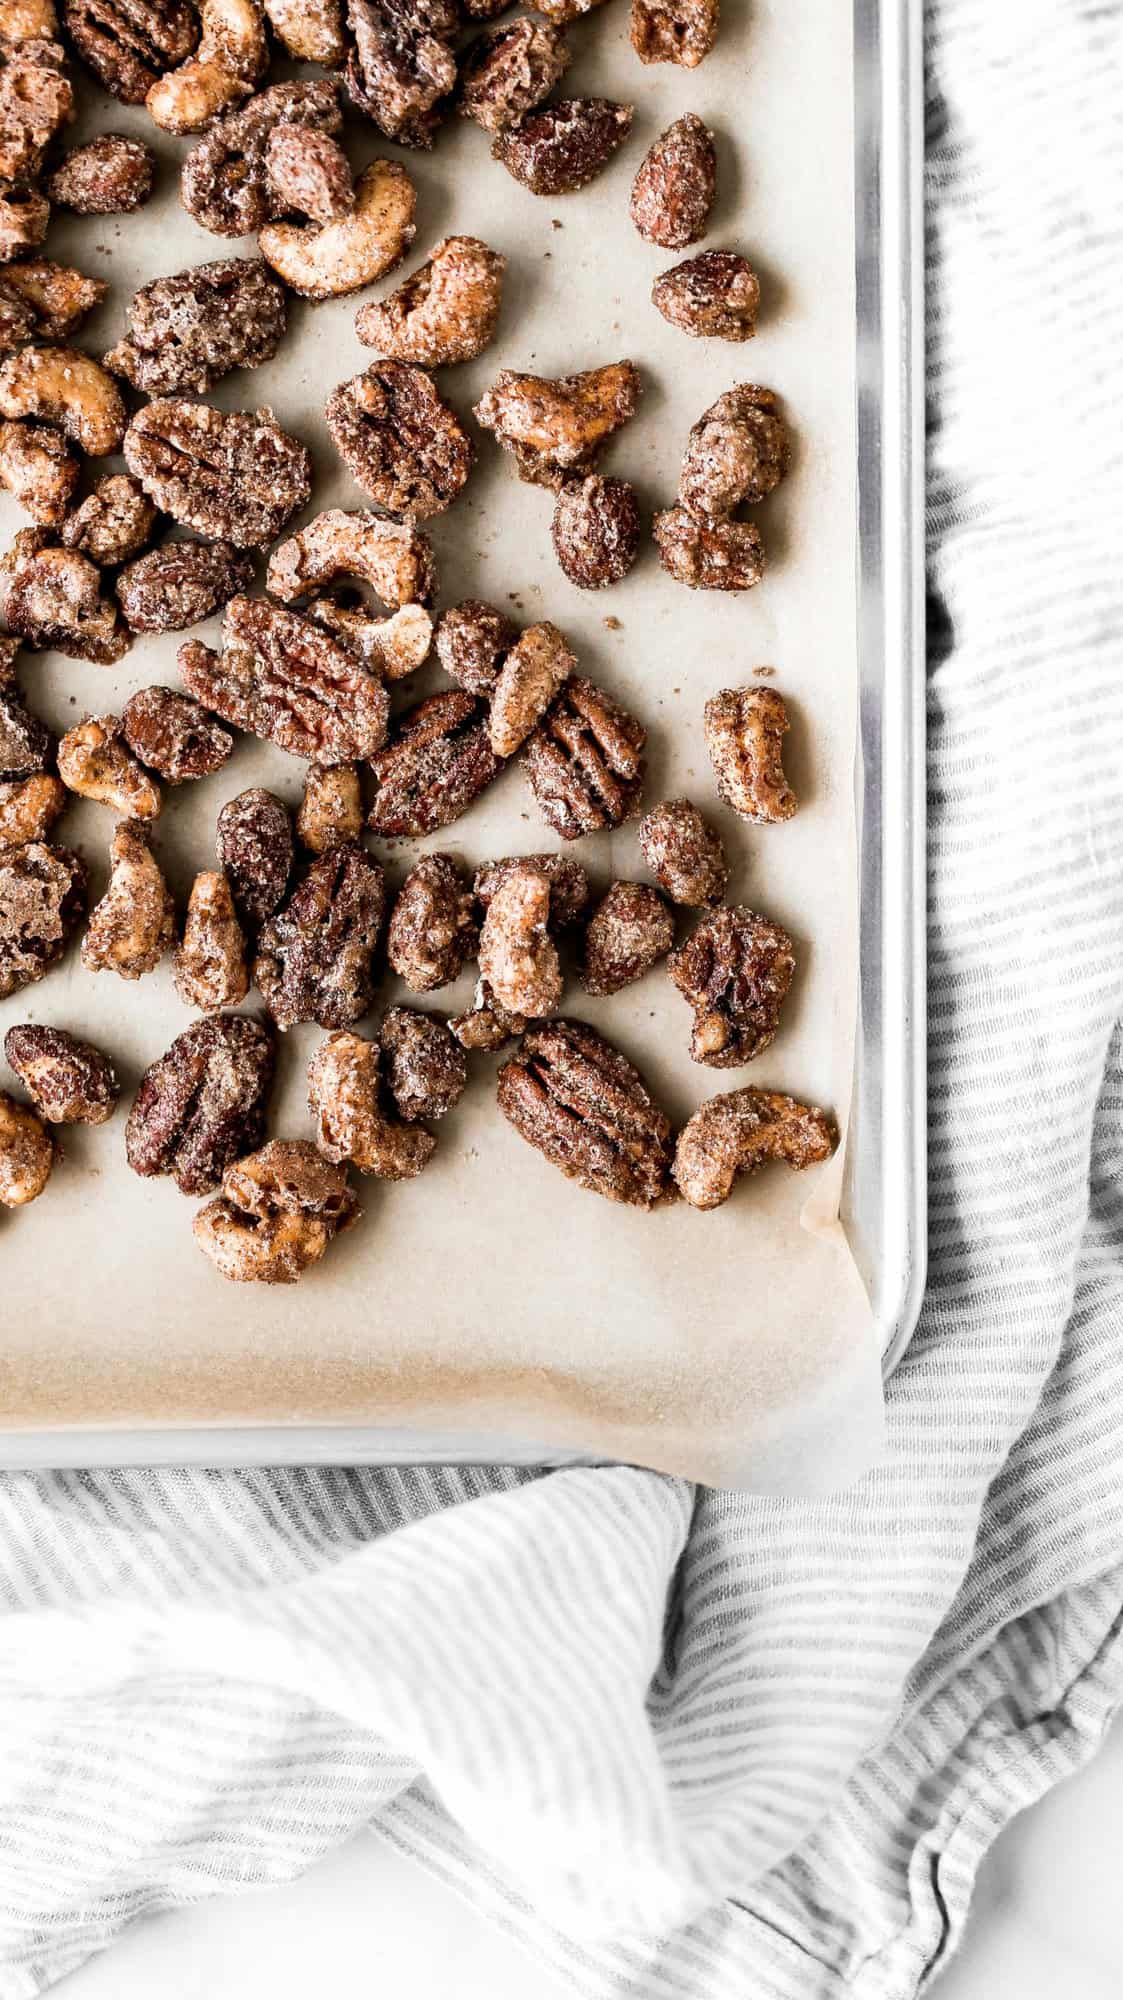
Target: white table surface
x=1045, y=1921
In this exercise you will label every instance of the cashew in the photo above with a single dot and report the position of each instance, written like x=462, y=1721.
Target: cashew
x=394, y=557
x=134, y=923
x=26, y=1153
x=68, y=389
x=51, y=597
x=518, y=957
x=37, y=466
x=738, y=1132
x=24, y=215
x=311, y=30
x=29, y=808
x=445, y=312
x=231, y=57
x=324, y=261
x=394, y=646
x=744, y=729
x=95, y=762
x=529, y=678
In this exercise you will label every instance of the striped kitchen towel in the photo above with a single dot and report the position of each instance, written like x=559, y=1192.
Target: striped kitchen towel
x=688, y=1743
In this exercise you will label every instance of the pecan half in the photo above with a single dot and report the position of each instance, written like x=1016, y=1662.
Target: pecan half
x=42, y=898
x=202, y=1104
x=554, y=428
x=714, y=296
x=426, y=1070
x=230, y=476
x=673, y=192
x=562, y=147
x=52, y=598
x=210, y=965
x=68, y=1081
x=630, y=930
x=180, y=584
x=445, y=312
x=343, y=1094
x=584, y=761
x=134, y=924
x=277, y=1214
x=596, y=531
x=173, y=736
x=281, y=677
x=399, y=439
x=188, y=330
x=575, y=1097
x=27, y=1153
x=315, y=957
x=255, y=849
x=744, y=730
x=225, y=178
x=433, y=930
x=735, y=969
x=128, y=44
x=518, y=957
x=740, y=1132
x=684, y=853
x=438, y=760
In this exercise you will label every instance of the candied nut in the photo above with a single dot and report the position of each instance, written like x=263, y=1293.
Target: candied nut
x=673, y=192
x=94, y=762
x=325, y=260
x=331, y=809
x=27, y=21
x=224, y=184
x=426, y=1072
x=395, y=646
x=438, y=760
x=562, y=147
x=309, y=173
x=575, y=1097
x=561, y=12
x=277, y=1213
x=433, y=931
x=394, y=557
x=708, y=554
x=113, y=522
x=509, y=70
x=39, y=469
x=26, y=744
x=36, y=101
x=174, y=736
x=42, y=897
x=630, y=930
x=400, y=64
x=315, y=957
x=445, y=312
x=736, y=454
x=210, y=965
x=569, y=884
x=68, y=389
x=534, y=671
x=744, y=730
x=555, y=428
x=17, y=318
x=110, y=175
x=231, y=57
x=68, y=1081
x=187, y=331
x=255, y=848
x=181, y=583
x=518, y=957
x=57, y=296
x=486, y=1026
x=714, y=296
x=684, y=853
x=129, y=43
x=399, y=439
x=311, y=30
x=134, y=924
x=585, y=761
x=224, y=473
x=281, y=677
x=26, y=1153
x=24, y=215
x=741, y=1131
x=472, y=640
x=596, y=531
x=735, y=969
x=678, y=31
x=52, y=598
x=350, y=1123
x=29, y=808
x=202, y=1104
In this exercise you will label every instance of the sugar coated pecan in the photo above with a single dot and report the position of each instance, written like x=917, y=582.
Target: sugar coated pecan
x=181, y=583
x=113, y=522
x=394, y=557
x=744, y=730
x=94, y=761
x=210, y=965
x=187, y=331
x=735, y=969
x=714, y=295
x=585, y=761
x=225, y=473
x=555, y=428
x=52, y=598
x=472, y=640
x=518, y=957
x=173, y=735
x=425, y=1067
x=27, y=1153
x=562, y=147
x=331, y=808
x=400, y=64
x=309, y=173
x=57, y=297
x=315, y=957
x=509, y=70
x=68, y=1081
x=741, y=1131
x=343, y=1095
x=630, y=930
x=575, y=1097
x=281, y=677
x=277, y=1213
x=486, y=1026
x=445, y=312
x=676, y=31
x=596, y=531
x=42, y=898
x=708, y=554
x=39, y=469
x=323, y=260
x=684, y=853
x=129, y=43
x=399, y=439
x=202, y=1104
x=29, y=808
x=433, y=930
x=438, y=760
x=26, y=744
x=68, y=389
x=134, y=924
x=569, y=884
x=255, y=848
x=535, y=669
x=673, y=192
x=736, y=454
x=110, y=175
x=225, y=180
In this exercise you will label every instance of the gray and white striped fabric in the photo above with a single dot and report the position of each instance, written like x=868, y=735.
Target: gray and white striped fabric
x=693, y=1744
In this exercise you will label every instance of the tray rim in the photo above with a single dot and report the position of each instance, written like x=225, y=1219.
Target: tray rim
x=887, y=1192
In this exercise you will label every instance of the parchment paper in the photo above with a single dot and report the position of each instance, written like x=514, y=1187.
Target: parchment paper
x=491, y=1296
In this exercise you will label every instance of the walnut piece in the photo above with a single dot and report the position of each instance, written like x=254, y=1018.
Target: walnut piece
x=39, y=470
x=113, y=522
x=518, y=957
x=426, y=1071
x=229, y=476
x=433, y=931
x=134, y=924
x=68, y=1081
x=684, y=853
x=188, y=330
x=735, y=969
x=596, y=531
x=534, y=671
x=281, y=677
x=740, y=1132
x=394, y=557
x=673, y=192
x=331, y=807
x=173, y=736
x=95, y=762
x=315, y=957
x=744, y=730
x=202, y=1104
x=26, y=1153
x=508, y=70
x=210, y=964
x=676, y=31
x=29, y=808
x=55, y=296
x=42, y=898
x=561, y=147
x=36, y=101
x=708, y=554
x=555, y=428
x=472, y=640
x=109, y=175
x=575, y=1097
x=714, y=296
x=255, y=850
x=584, y=762
x=445, y=312
x=438, y=760
x=399, y=439
x=128, y=44
x=224, y=183
x=278, y=1211
x=630, y=930
x=343, y=1078
x=51, y=597
x=180, y=584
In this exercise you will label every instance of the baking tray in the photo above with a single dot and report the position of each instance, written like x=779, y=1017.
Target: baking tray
x=884, y=1197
